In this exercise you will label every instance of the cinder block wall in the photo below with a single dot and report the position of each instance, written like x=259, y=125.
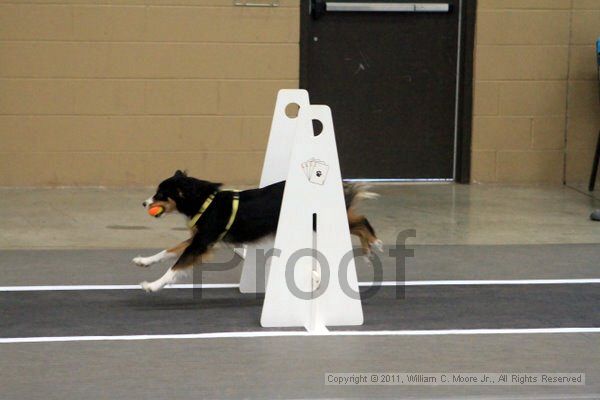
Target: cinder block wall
x=123, y=92
x=583, y=117
x=535, y=98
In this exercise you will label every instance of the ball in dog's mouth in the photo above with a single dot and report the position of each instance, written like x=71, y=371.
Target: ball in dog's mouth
x=156, y=211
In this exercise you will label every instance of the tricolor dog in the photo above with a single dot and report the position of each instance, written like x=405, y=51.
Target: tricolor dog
x=233, y=217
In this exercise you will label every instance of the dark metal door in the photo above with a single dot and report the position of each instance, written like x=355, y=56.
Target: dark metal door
x=389, y=71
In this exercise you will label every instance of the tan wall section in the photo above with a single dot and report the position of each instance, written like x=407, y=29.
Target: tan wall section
x=521, y=69
x=124, y=93
x=536, y=113
x=583, y=120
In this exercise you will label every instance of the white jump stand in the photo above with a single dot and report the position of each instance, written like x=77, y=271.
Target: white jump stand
x=275, y=169
x=313, y=192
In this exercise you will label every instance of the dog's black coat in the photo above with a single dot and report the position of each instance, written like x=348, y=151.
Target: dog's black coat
x=257, y=215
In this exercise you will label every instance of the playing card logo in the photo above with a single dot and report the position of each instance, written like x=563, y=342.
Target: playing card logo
x=315, y=170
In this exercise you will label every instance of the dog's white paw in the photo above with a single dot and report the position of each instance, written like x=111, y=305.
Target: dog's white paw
x=142, y=261
x=316, y=279
x=378, y=245
x=148, y=287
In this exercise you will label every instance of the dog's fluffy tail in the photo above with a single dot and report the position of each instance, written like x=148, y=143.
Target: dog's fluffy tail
x=354, y=193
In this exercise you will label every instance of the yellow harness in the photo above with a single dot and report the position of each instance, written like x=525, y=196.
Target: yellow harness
x=234, y=209
x=203, y=208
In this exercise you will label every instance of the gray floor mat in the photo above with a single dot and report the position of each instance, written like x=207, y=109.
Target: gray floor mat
x=177, y=311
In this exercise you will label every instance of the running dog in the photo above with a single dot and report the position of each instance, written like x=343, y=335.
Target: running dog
x=233, y=217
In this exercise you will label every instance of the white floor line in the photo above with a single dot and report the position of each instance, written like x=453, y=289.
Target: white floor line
x=264, y=334
x=495, y=282
x=42, y=288
x=364, y=284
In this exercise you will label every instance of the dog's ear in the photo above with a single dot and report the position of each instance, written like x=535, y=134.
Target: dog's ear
x=180, y=173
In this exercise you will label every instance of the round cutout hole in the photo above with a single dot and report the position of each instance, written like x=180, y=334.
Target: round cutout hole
x=317, y=127
x=291, y=110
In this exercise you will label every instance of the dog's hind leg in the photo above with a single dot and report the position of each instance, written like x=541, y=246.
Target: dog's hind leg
x=360, y=226
x=164, y=255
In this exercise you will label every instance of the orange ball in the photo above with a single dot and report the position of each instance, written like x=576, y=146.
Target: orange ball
x=156, y=211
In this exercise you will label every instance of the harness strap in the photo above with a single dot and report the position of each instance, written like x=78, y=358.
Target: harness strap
x=203, y=208
x=234, y=209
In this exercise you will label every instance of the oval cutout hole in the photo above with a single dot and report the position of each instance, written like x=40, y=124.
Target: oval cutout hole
x=291, y=110
x=317, y=127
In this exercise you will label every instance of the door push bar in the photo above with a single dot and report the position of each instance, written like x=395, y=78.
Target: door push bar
x=321, y=6
x=239, y=3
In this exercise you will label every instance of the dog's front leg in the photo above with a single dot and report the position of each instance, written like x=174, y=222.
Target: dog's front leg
x=156, y=258
x=196, y=249
x=164, y=255
x=171, y=276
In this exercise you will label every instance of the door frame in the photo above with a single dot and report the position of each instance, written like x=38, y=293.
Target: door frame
x=464, y=105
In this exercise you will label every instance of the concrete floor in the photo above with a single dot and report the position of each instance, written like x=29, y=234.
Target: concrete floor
x=78, y=218
x=289, y=368
x=87, y=236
